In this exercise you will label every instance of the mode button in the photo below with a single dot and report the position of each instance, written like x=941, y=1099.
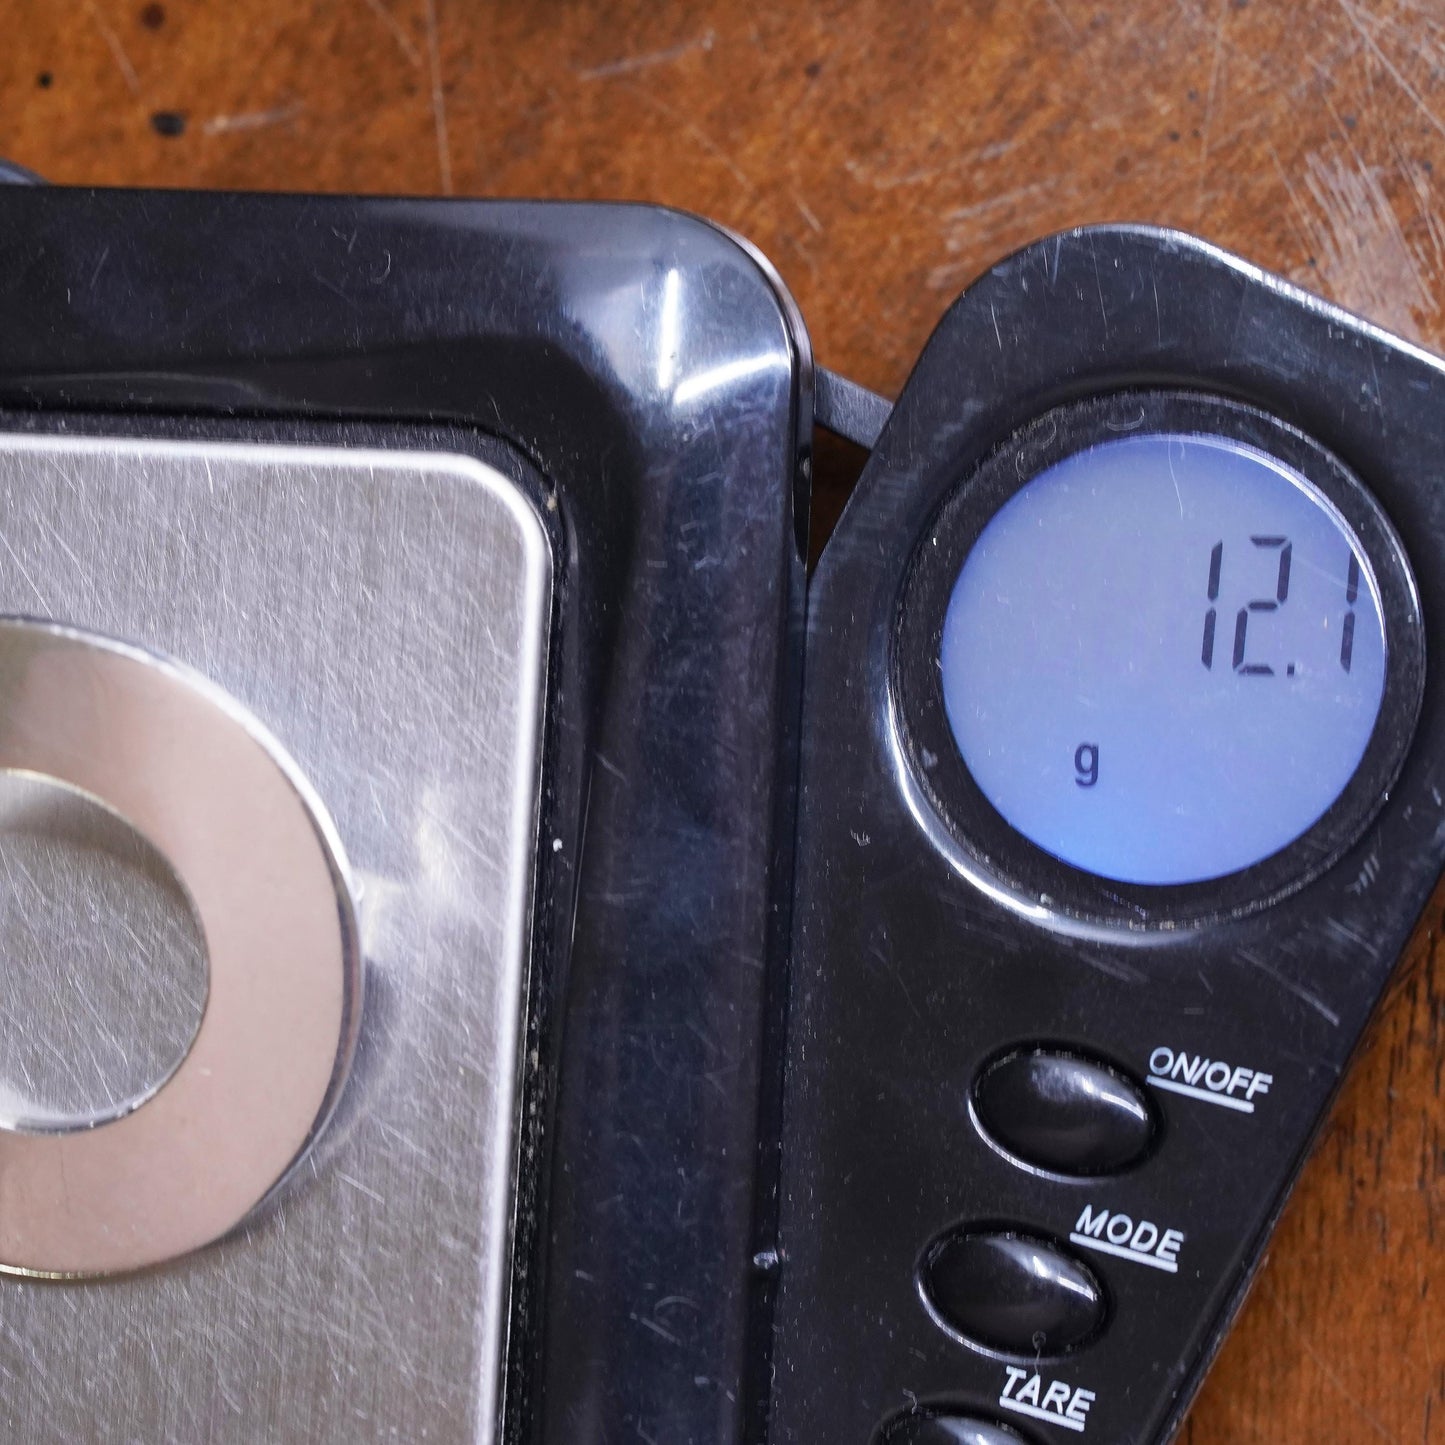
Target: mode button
x=1011, y=1292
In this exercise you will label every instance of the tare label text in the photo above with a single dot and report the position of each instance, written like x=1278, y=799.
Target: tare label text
x=1027, y=1392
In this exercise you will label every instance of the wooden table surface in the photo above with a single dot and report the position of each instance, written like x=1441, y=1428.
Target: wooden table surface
x=882, y=153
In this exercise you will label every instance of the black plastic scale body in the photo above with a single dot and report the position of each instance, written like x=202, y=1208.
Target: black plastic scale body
x=1053, y=1252
x=640, y=387
x=1027, y=1128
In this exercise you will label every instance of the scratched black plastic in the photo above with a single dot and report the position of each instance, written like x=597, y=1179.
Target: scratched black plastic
x=916, y=962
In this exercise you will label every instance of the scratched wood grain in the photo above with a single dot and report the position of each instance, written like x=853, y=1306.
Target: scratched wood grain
x=883, y=153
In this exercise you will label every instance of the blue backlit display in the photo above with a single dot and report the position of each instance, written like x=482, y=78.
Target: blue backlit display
x=1163, y=658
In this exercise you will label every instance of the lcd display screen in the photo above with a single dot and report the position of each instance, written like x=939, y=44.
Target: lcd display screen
x=1164, y=657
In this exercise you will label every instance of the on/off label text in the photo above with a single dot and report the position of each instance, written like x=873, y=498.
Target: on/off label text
x=1197, y=1076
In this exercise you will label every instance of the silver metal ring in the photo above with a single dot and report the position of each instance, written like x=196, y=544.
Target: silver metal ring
x=253, y=847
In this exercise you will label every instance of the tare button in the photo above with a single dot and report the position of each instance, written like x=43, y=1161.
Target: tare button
x=1140, y=1241
x=1211, y=1080
x=1032, y=1393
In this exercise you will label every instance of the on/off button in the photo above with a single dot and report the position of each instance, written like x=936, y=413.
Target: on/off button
x=1063, y=1111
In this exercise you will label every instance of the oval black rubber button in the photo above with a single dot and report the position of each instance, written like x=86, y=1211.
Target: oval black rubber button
x=1012, y=1293
x=947, y=1429
x=1064, y=1112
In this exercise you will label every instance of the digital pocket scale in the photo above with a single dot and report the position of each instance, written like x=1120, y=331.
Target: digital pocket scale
x=492, y=957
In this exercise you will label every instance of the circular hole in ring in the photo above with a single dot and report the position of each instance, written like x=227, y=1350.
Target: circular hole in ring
x=104, y=960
